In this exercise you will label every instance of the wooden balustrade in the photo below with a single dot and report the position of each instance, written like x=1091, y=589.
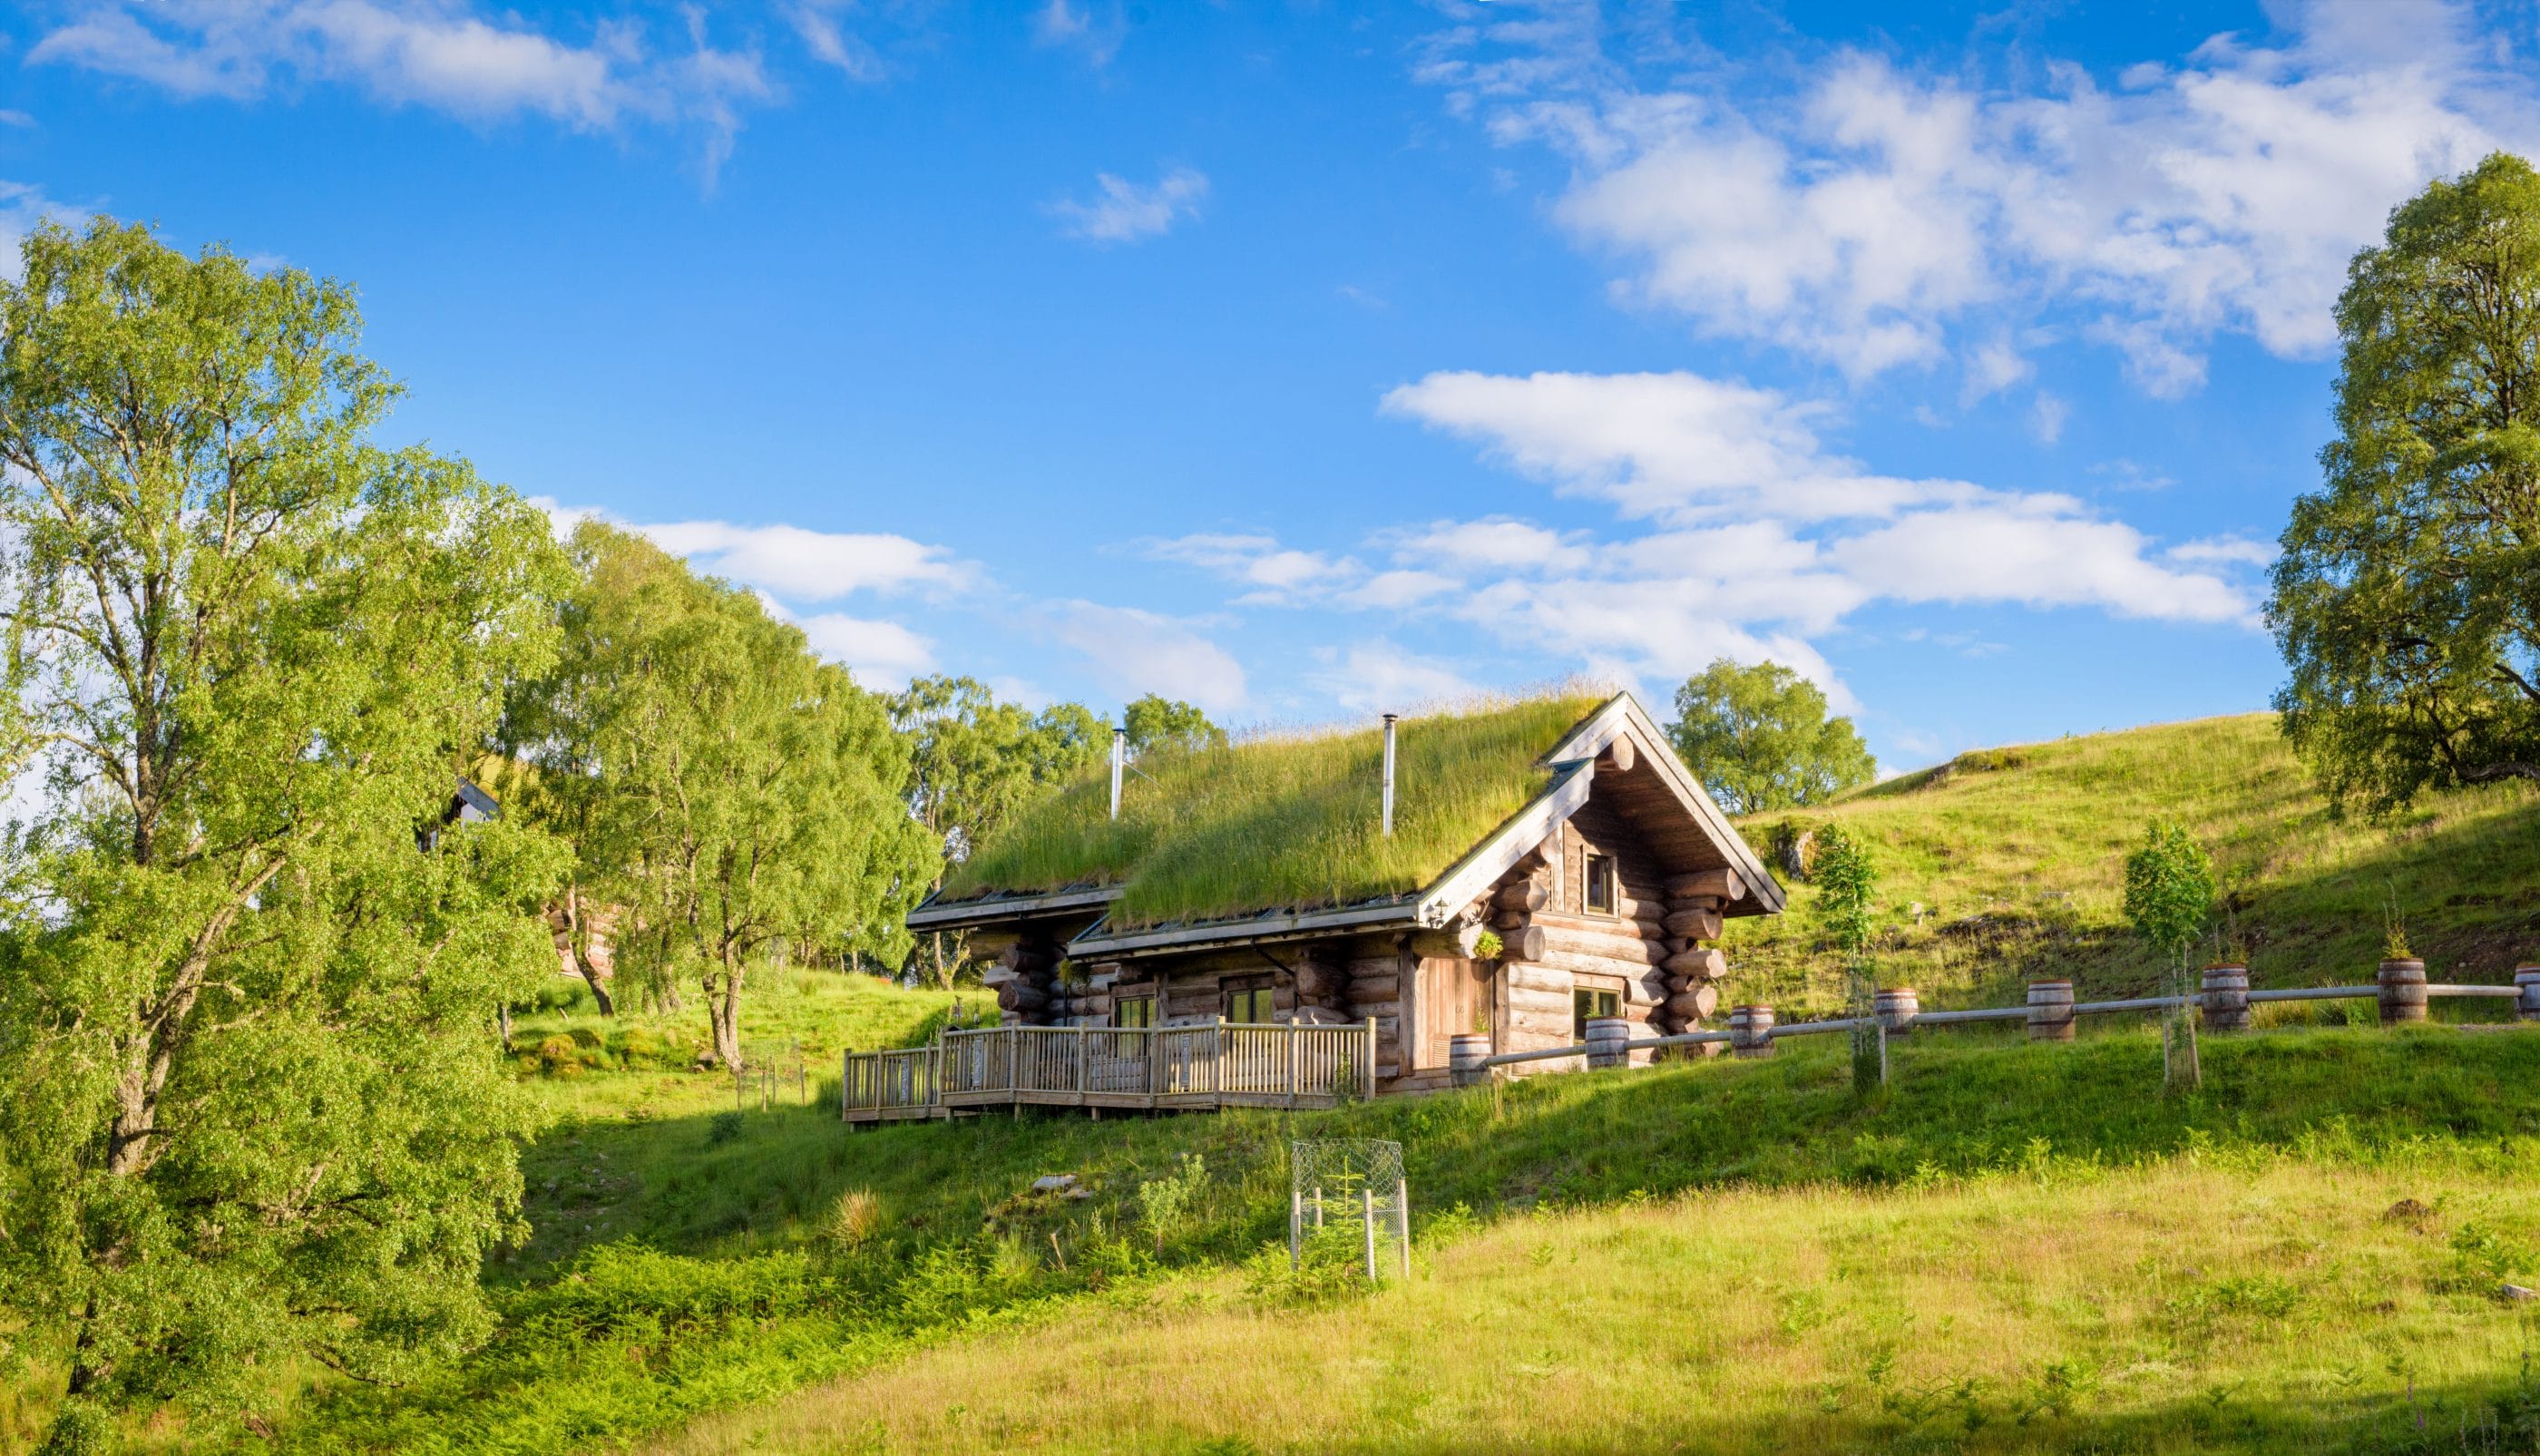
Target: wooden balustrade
x=1097, y=1067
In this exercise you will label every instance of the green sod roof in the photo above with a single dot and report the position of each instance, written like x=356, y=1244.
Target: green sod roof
x=1280, y=823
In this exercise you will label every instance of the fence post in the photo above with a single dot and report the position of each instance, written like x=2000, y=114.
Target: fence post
x=1367, y=1195
x=1402, y=1221
x=2402, y=990
x=2527, y=978
x=1296, y=1221
x=1367, y=1074
x=1292, y=1089
x=2050, y=1011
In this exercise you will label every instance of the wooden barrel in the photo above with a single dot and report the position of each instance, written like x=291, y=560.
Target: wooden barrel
x=1464, y=1053
x=2224, y=997
x=2403, y=990
x=1606, y=1036
x=1750, y=1031
x=2050, y=1011
x=2526, y=979
x=1897, y=1008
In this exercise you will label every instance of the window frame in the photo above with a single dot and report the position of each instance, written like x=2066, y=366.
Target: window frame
x=1120, y=1009
x=1587, y=1002
x=1258, y=992
x=1598, y=872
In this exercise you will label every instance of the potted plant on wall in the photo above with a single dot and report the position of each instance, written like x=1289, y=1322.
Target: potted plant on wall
x=2402, y=972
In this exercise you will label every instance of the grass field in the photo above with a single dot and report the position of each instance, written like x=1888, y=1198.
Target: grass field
x=2016, y=860
x=2016, y=1247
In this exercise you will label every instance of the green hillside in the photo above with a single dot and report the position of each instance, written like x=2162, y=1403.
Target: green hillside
x=2008, y=864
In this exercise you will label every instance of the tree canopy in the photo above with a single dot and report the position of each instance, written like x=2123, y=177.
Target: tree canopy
x=723, y=786
x=1759, y=739
x=975, y=761
x=249, y=1105
x=2169, y=889
x=2406, y=598
x=1156, y=721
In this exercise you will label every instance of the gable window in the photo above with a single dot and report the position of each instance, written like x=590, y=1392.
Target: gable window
x=1138, y=1011
x=1251, y=1003
x=1599, y=892
x=1591, y=1001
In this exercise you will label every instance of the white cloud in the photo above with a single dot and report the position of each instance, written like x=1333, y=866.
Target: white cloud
x=2224, y=550
x=808, y=565
x=22, y=207
x=16, y=118
x=833, y=43
x=1122, y=211
x=1075, y=25
x=1277, y=573
x=1881, y=217
x=1498, y=543
x=884, y=656
x=435, y=53
x=1380, y=676
x=1136, y=652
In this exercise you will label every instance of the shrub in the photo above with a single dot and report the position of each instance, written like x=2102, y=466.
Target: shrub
x=723, y=1127
x=1164, y=1201
x=853, y=1219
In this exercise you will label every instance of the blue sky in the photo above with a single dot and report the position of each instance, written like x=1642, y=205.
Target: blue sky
x=1306, y=360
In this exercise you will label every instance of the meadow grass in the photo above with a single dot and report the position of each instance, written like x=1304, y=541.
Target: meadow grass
x=2016, y=859
x=2273, y=1307
x=1282, y=822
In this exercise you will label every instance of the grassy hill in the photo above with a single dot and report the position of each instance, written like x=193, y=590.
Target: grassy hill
x=2008, y=864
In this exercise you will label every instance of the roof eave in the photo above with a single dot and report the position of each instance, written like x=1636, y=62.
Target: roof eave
x=1352, y=919
x=939, y=913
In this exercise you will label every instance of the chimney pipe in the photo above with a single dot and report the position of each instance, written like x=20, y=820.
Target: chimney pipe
x=1119, y=758
x=1388, y=776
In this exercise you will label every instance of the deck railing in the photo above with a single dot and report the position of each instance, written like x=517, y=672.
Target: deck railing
x=1132, y=1066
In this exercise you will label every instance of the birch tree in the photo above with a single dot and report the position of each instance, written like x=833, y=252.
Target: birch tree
x=249, y=1101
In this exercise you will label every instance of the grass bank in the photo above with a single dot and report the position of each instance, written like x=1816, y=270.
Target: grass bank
x=2009, y=864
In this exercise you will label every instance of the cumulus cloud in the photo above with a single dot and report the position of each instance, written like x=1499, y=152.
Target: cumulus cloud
x=1276, y=573
x=1122, y=211
x=439, y=55
x=22, y=207
x=1878, y=216
x=1134, y=652
x=1380, y=676
x=882, y=656
x=803, y=565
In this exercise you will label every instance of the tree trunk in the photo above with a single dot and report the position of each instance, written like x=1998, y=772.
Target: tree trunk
x=503, y=1024
x=577, y=940
x=723, y=1010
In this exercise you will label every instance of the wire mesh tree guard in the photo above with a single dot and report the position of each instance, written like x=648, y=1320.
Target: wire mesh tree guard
x=765, y=1068
x=1340, y=1183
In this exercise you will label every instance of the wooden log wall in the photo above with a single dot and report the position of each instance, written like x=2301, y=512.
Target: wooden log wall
x=1024, y=981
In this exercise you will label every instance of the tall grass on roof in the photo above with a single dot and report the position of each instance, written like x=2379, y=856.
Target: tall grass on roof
x=1283, y=824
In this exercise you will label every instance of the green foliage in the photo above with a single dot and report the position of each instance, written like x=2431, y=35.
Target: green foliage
x=1846, y=885
x=1282, y=821
x=726, y=788
x=2404, y=600
x=975, y=761
x=2169, y=889
x=1759, y=739
x=1162, y=1202
x=1156, y=723
x=1486, y=945
x=250, y=1107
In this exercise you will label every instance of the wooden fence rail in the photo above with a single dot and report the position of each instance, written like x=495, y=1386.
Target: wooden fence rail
x=1125, y=1067
x=2049, y=1016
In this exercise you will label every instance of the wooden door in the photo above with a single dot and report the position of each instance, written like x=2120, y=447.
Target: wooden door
x=1451, y=1000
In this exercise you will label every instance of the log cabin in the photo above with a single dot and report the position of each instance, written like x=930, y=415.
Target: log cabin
x=1521, y=869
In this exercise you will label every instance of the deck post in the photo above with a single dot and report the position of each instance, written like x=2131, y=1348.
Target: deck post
x=1292, y=1089
x=1082, y=1082
x=1366, y=1075
x=1217, y=1057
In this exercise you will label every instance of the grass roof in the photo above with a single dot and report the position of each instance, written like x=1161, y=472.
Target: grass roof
x=1279, y=823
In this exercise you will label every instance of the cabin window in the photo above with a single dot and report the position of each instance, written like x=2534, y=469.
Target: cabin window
x=1137, y=1012
x=1599, y=895
x=1591, y=1001
x=1250, y=1005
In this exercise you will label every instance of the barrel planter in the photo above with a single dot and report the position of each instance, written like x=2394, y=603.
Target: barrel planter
x=1606, y=1039
x=1464, y=1053
x=1750, y=1031
x=2526, y=979
x=2050, y=1011
x=1897, y=1008
x=2224, y=997
x=2403, y=991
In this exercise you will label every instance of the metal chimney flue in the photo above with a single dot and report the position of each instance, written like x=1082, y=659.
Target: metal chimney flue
x=1119, y=760
x=1388, y=776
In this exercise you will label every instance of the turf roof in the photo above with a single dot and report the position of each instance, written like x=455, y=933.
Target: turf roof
x=1280, y=823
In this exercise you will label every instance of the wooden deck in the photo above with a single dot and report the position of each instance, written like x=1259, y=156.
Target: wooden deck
x=1097, y=1067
